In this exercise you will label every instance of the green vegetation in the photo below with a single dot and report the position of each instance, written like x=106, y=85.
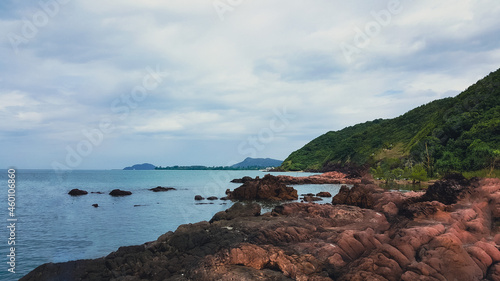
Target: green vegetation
x=460, y=134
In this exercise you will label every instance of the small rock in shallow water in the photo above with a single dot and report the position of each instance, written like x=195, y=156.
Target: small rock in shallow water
x=160, y=188
x=118, y=192
x=198, y=197
x=77, y=192
x=95, y=205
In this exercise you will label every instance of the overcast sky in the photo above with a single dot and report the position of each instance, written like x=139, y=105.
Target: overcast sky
x=107, y=84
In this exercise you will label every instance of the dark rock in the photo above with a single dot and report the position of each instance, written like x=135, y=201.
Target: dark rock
x=198, y=197
x=267, y=188
x=311, y=199
x=97, y=192
x=118, y=192
x=242, y=180
x=95, y=205
x=77, y=192
x=359, y=195
x=324, y=194
x=224, y=198
x=238, y=210
x=212, y=198
x=160, y=188
x=448, y=190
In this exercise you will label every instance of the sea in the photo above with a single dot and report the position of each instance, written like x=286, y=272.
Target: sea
x=52, y=226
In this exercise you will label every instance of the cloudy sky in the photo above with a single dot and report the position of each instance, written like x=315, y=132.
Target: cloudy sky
x=105, y=84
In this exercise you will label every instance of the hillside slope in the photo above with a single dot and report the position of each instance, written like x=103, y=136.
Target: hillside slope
x=258, y=162
x=451, y=134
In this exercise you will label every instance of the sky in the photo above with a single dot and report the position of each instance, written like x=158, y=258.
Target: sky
x=108, y=84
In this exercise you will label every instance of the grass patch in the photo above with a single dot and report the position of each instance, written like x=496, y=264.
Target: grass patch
x=484, y=173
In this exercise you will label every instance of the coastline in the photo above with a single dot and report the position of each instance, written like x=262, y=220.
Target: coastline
x=448, y=232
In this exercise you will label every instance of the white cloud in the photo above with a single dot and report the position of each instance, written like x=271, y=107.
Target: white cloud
x=226, y=78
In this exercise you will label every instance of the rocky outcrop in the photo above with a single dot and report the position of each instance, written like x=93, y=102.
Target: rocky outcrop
x=238, y=210
x=198, y=197
x=77, y=192
x=267, y=188
x=299, y=241
x=119, y=192
x=161, y=189
x=324, y=194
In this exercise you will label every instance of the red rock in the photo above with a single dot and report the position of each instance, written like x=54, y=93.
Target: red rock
x=268, y=188
x=324, y=194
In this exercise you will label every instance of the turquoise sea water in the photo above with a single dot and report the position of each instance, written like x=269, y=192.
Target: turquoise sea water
x=55, y=227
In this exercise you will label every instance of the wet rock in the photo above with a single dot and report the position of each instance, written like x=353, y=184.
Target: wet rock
x=238, y=210
x=95, y=205
x=242, y=180
x=198, y=198
x=267, y=188
x=212, y=198
x=311, y=199
x=77, y=192
x=359, y=195
x=324, y=194
x=118, y=192
x=161, y=189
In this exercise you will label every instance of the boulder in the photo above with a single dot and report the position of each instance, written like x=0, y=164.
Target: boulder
x=160, y=189
x=118, y=192
x=238, y=210
x=95, y=205
x=267, y=188
x=311, y=199
x=324, y=194
x=212, y=198
x=77, y=192
x=198, y=198
x=242, y=180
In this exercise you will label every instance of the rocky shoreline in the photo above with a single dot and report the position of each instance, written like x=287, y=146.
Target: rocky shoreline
x=449, y=232
x=325, y=178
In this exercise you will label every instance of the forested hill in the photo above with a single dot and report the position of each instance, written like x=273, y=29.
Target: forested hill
x=451, y=134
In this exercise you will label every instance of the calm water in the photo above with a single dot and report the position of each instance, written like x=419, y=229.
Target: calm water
x=55, y=227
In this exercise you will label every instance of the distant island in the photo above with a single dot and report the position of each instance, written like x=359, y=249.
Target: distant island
x=145, y=166
x=247, y=164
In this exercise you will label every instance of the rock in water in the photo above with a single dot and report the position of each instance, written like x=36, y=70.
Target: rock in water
x=118, y=192
x=324, y=194
x=160, y=189
x=77, y=192
x=267, y=188
x=198, y=198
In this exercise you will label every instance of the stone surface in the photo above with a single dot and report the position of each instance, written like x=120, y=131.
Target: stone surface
x=267, y=188
x=161, y=189
x=118, y=192
x=77, y=192
x=324, y=194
